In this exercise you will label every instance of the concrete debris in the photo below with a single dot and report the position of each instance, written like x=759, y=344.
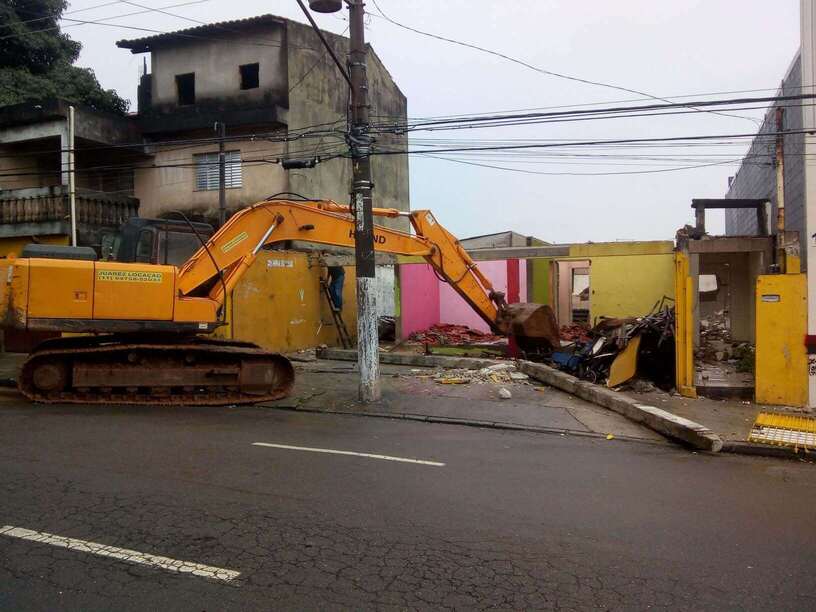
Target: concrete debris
x=505, y=394
x=499, y=374
x=575, y=333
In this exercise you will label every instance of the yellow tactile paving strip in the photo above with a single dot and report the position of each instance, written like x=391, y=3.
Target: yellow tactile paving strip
x=780, y=429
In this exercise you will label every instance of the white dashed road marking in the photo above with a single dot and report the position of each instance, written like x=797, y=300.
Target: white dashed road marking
x=123, y=554
x=341, y=452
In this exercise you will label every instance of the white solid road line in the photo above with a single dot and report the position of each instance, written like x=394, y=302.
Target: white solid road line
x=341, y=452
x=123, y=554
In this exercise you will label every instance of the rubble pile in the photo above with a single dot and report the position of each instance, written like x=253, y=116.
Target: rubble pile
x=573, y=333
x=717, y=346
x=592, y=358
x=448, y=334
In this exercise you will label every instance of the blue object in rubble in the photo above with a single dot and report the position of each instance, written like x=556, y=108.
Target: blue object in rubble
x=566, y=359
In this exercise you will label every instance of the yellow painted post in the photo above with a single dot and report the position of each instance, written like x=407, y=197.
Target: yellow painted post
x=781, y=326
x=684, y=327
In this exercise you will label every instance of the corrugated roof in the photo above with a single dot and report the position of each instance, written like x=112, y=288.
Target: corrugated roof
x=142, y=45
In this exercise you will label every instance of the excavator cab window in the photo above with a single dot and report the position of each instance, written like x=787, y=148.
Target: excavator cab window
x=175, y=248
x=144, y=247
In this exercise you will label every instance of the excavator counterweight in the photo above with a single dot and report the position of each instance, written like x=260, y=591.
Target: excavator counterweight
x=152, y=317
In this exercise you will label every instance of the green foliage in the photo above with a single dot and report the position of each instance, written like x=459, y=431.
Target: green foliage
x=36, y=59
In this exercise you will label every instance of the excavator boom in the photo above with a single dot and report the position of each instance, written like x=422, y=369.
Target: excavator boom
x=156, y=312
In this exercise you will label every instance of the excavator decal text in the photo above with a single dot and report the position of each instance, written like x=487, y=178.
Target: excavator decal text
x=129, y=276
x=378, y=238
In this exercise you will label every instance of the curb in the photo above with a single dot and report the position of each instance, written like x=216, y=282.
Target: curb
x=661, y=421
x=424, y=418
x=422, y=361
x=763, y=450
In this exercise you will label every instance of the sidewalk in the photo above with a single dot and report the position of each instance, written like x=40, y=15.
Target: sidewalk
x=411, y=393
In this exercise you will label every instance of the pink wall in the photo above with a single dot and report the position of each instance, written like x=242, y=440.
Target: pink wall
x=426, y=300
x=419, y=295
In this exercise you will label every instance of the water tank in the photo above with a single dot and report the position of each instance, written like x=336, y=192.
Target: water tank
x=325, y=6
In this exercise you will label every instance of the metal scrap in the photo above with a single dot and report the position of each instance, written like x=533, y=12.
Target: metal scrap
x=592, y=358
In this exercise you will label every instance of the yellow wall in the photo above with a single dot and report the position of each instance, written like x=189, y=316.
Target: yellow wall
x=9, y=246
x=279, y=304
x=781, y=325
x=629, y=285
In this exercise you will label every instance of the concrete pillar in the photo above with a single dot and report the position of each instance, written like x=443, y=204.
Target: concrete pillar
x=807, y=19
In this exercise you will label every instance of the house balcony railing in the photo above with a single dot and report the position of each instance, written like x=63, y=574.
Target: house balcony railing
x=46, y=210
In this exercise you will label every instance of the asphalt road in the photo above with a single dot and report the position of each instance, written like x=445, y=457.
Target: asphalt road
x=511, y=520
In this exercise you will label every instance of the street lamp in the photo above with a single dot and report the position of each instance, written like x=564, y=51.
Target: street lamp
x=326, y=6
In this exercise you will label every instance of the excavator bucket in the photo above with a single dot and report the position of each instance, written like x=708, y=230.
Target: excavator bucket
x=533, y=326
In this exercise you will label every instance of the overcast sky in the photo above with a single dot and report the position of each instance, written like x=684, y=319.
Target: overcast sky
x=662, y=48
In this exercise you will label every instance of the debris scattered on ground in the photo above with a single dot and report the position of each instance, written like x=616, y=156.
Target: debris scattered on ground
x=721, y=357
x=453, y=335
x=500, y=374
x=505, y=394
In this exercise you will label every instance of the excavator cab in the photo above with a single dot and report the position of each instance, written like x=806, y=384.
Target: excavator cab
x=154, y=241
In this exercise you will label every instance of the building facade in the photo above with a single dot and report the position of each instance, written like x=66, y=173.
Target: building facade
x=275, y=88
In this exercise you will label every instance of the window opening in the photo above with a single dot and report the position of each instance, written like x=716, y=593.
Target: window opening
x=185, y=87
x=250, y=76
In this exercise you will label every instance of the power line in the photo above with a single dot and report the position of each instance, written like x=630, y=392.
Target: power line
x=613, y=110
x=594, y=142
x=100, y=21
x=616, y=173
x=536, y=68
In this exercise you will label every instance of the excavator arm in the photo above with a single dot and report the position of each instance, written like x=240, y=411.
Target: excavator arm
x=233, y=249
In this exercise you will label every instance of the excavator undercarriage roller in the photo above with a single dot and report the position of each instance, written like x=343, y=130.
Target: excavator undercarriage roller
x=144, y=370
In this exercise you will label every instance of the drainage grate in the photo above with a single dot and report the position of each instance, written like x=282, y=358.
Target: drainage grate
x=784, y=430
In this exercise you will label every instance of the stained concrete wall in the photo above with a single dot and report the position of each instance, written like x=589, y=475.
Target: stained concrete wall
x=318, y=95
x=756, y=177
x=171, y=186
x=215, y=63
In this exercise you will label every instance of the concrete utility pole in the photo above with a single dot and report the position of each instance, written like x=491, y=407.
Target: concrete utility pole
x=72, y=175
x=368, y=356
x=222, y=174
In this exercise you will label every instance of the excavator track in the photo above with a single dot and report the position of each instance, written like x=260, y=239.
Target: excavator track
x=139, y=369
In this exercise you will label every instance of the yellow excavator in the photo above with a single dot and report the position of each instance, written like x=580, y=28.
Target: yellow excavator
x=142, y=327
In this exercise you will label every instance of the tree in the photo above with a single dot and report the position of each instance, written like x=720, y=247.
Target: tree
x=36, y=59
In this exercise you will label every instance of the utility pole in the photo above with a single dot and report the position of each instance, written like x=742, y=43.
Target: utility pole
x=72, y=175
x=368, y=356
x=222, y=174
